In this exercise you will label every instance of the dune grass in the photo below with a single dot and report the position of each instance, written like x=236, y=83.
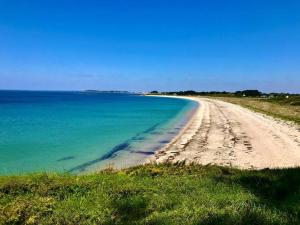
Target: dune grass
x=283, y=108
x=154, y=194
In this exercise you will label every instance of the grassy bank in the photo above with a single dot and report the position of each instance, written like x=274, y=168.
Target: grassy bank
x=154, y=194
x=280, y=107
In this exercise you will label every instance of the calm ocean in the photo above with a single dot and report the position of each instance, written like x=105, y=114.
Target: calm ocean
x=80, y=131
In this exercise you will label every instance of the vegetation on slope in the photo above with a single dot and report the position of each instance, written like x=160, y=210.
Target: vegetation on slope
x=154, y=194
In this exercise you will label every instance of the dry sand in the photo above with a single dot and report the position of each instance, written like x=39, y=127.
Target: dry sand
x=226, y=134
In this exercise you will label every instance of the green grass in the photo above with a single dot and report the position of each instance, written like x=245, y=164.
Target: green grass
x=154, y=194
x=282, y=100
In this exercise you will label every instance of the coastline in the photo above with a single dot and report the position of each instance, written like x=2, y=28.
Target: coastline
x=147, y=149
x=184, y=136
x=224, y=134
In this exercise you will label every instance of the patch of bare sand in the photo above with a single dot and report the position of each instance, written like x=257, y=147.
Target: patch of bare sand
x=226, y=134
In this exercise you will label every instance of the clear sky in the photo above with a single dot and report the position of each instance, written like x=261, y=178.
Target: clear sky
x=150, y=45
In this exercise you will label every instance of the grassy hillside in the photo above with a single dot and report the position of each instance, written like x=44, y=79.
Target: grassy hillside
x=154, y=194
x=281, y=107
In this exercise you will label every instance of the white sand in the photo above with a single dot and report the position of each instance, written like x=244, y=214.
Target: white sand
x=226, y=134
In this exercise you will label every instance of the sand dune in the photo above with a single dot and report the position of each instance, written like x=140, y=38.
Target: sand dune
x=226, y=134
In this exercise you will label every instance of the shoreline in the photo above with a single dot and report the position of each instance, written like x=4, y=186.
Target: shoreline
x=125, y=159
x=186, y=133
x=224, y=134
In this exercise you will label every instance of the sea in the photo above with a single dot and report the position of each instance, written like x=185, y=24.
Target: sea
x=78, y=132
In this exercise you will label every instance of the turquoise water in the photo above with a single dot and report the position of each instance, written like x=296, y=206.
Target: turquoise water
x=78, y=131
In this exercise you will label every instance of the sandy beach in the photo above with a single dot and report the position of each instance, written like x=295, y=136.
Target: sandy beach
x=225, y=134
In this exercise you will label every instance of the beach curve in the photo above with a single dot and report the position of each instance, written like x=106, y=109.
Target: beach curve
x=226, y=134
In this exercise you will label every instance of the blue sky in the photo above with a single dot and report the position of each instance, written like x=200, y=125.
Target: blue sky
x=146, y=45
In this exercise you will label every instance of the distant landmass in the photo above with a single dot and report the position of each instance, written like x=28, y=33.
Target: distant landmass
x=113, y=91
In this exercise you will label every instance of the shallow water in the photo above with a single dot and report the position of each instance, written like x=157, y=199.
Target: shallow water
x=79, y=131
